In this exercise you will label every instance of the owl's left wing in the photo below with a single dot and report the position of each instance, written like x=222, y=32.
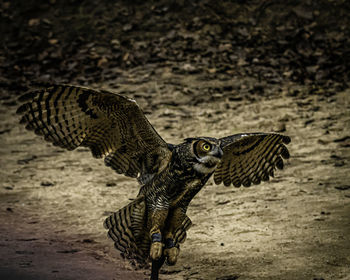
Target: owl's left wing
x=110, y=124
x=250, y=158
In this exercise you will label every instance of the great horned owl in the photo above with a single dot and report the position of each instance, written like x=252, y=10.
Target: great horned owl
x=114, y=127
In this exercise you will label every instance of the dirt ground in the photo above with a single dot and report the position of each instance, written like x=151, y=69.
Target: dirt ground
x=297, y=226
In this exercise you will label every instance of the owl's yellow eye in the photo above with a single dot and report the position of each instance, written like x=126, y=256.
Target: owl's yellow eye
x=206, y=147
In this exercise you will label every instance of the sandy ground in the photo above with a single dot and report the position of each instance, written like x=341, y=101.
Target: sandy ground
x=296, y=226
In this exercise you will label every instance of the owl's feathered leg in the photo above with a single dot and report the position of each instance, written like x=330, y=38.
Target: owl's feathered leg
x=156, y=222
x=170, y=221
x=174, y=221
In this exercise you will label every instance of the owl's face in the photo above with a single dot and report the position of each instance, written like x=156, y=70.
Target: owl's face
x=207, y=154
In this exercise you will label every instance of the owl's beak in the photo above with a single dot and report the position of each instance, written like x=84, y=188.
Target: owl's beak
x=217, y=152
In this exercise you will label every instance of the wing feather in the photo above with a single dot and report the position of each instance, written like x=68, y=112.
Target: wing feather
x=111, y=125
x=251, y=158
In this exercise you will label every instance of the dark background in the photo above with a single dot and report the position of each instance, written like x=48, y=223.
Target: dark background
x=306, y=42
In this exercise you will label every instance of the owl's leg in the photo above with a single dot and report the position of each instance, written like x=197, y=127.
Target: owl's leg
x=174, y=221
x=156, y=223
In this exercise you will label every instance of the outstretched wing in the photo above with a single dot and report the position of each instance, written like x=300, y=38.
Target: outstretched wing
x=110, y=124
x=250, y=158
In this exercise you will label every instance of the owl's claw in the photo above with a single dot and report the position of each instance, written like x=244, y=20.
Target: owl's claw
x=156, y=250
x=171, y=255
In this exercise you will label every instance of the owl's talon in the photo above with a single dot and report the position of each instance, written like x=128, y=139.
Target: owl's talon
x=171, y=255
x=171, y=251
x=156, y=250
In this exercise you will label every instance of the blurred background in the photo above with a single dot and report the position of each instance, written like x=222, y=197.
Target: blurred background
x=86, y=42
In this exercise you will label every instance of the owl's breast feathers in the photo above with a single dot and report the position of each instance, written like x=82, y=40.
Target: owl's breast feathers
x=175, y=186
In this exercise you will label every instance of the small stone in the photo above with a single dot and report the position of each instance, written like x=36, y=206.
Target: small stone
x=127, y=27
x=34, y=21
x=53, y=41
x=47, y=184
x=343, y=188
x=281, y=127
x=111, y=184
x=87, y=240
x=102, y=62
x=339, y=163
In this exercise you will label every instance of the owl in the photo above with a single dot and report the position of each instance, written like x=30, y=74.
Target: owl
x=152, y=226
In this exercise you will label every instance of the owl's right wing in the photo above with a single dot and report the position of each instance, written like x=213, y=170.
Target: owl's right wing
x=111, y=125
x=250, y=158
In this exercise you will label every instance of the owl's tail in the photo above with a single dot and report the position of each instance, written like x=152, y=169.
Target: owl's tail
x=128, y=229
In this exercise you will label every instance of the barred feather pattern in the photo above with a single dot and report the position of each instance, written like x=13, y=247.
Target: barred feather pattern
x=128, y=229
x=109, y=124
x=251, y=158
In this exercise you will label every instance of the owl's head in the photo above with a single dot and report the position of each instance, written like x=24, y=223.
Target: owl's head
x=206, y=153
